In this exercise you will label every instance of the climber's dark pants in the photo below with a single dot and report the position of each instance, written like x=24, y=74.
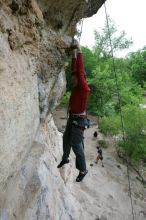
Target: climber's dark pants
x=73, y=137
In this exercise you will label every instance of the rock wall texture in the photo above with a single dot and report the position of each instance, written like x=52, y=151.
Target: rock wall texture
x=33, y=38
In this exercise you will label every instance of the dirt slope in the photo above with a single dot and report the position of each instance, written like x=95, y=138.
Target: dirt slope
x=104, y=193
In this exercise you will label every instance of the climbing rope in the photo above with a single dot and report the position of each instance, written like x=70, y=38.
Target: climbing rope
x=119, y=102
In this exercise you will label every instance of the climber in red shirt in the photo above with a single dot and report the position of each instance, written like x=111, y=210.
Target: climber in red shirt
x=77, y=121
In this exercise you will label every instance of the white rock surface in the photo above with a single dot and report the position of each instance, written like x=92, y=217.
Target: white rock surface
x=19, y=107
x=37, y=191
x=33, y=39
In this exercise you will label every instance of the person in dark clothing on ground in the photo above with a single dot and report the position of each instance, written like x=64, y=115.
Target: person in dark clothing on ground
x=77, y=121
x=95, y=134
x=99, y=156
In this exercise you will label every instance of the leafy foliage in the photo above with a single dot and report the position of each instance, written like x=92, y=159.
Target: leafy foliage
x=90, y=61
x=65, y=99
x=110, y=125
x=134, y=119
x=137, y=63
x=102, y=90
x=102, y=43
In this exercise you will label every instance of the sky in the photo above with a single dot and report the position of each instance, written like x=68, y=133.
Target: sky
x=128, y=15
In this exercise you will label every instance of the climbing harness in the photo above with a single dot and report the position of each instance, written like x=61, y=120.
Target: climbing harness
x=119, y=103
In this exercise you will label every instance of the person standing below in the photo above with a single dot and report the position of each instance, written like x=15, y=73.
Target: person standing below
x=99, y=156
x=74, y=132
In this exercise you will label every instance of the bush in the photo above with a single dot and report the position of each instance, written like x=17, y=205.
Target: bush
x=102, y=143
x=65, y=99
x=134, y=119
x=110, y=125
x=135, y=131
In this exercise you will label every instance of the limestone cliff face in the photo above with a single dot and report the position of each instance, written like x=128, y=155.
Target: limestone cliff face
x=33, y=38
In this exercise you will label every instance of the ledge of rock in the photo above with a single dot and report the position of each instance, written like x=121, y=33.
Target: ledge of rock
x=33, y=37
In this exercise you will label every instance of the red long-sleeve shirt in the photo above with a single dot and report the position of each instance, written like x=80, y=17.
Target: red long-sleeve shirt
x=79, y=95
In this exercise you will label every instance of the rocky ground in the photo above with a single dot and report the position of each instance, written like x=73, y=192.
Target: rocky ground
x=104, y=193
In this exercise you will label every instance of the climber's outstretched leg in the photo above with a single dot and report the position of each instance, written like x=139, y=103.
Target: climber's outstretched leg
x=78, y=148
x=66, y=145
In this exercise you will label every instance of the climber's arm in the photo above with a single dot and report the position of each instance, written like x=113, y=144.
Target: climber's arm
x=80, y=70
x=74, y=62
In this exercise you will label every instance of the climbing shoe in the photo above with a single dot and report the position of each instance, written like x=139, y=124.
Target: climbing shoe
x=81, y=176
x=62, y=163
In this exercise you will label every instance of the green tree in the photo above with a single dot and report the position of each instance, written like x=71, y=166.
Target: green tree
x=103, y=99
x=137, y=63
x=90, y=61
x=102, y=86
x=102, y=43
x=134, y=120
